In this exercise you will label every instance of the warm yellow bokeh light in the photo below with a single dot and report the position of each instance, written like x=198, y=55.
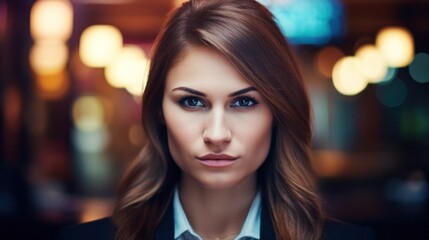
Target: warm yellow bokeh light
x=137, y=87
x=128, y=70
x=48, y=57
x=396, y=45
x=372, y=63
x=88, y=113
x=52, y=87
x=179, y=2
x=93, y=209
x=51, y=20
x=329, y=163
x=99, y=44
x=347, y=78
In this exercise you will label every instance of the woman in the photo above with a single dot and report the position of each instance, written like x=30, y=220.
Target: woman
x=228, y=128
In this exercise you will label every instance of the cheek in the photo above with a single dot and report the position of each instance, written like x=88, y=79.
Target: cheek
x=258, y=127
x=261, y=139
x=181, y=131
x=255, y=135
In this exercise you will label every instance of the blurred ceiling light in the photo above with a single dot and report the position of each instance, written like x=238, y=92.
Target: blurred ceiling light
x=396, y=45
x=419, y=68
x=347, y=78
x=128, y=70
x=99, y=45
x=52, y=87
x=48, y=57
x=88, y=113
x=372, y=64
x=326, y=59
x=51, y=19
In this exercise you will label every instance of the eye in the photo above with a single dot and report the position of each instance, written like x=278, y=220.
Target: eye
x=191, y=102
x=244, y=102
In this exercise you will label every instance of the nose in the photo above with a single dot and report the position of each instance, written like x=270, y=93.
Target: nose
x=216, y=131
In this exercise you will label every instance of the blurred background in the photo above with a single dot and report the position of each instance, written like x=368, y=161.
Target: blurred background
x=72, y=73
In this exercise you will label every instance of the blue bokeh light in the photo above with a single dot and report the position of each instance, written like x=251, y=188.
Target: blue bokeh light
x=313, y=22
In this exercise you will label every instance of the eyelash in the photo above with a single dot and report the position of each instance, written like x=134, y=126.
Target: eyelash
x=248, y=99
x=200, y=103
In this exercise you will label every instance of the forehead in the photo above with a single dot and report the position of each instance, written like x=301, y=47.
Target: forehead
x=204, y=68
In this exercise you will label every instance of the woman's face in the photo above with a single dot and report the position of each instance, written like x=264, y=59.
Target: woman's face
x=218, y=125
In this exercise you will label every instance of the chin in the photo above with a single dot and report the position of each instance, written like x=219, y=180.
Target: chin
x=221, y=183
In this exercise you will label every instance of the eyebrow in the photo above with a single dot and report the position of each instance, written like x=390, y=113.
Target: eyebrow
x=242, y=91
x=193, y=91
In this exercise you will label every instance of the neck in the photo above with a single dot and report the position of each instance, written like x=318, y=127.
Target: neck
x=216, y=213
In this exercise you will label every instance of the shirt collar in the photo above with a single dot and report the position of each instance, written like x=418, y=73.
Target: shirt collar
x=181, y=223
x=249, y=230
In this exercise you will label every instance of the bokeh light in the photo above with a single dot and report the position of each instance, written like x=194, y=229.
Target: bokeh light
x=135, y=134
x=51, y=19
x=137, y=87
x=90, y=141
x=393, y=93
x=371, y=63
x=93, y=209
x=99, y=45
x=390, y=75
x=419, y=68
x=179, y=3
x=128, y=70
x=308, y=21
x=326, y=58
x=414, y=122
x=88, y=113
x=396, y=45
x=12, y=106
x=48, y=57
x=330, y=163
x=347, y=78
x=52, y=87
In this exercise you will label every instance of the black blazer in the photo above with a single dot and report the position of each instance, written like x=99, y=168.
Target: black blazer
x=103, y=229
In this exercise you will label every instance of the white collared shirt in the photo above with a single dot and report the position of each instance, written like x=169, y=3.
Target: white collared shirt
x=249, y=231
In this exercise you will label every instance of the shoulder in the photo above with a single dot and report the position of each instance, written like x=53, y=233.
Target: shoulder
x=335, y=230
x=102, y=229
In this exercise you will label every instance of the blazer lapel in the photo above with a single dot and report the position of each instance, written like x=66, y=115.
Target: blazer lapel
x=267, y=230
x=165, y=229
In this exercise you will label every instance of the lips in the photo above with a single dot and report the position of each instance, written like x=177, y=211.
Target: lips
x=217, y=160
x=217, y=157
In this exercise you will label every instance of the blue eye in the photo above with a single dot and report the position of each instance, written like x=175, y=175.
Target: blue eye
x=244, y=102
x=191, y=102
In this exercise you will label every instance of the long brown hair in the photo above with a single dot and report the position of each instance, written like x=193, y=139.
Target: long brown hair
x=245, y=33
